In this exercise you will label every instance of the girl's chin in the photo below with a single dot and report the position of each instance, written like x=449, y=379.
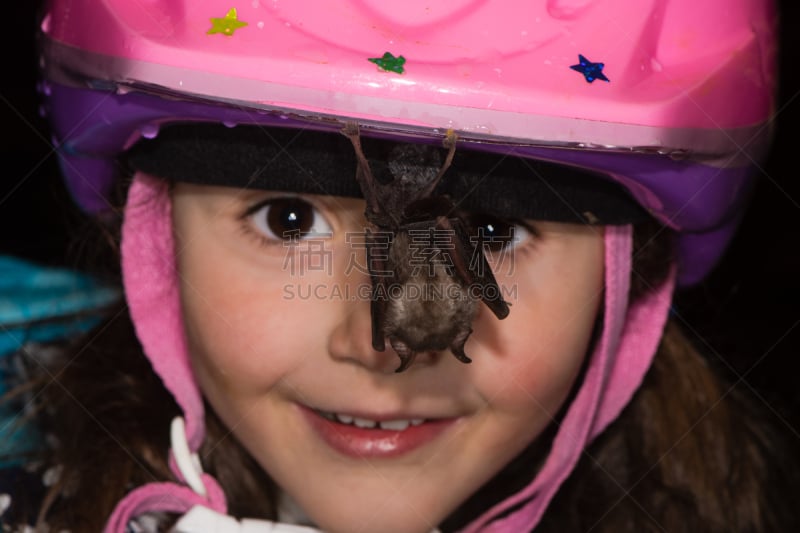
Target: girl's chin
x=395, y=514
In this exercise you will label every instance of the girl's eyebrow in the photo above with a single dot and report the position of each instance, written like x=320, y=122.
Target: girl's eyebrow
x=323, y=163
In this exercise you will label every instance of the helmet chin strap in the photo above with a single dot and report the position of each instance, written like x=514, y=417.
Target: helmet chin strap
x=149, y=277
x=621, y=357
x=152, y=290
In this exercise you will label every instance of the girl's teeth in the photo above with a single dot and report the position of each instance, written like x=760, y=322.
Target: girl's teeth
x=344, y=419
x=395, y=425
x=364, y=423
x=390, y=425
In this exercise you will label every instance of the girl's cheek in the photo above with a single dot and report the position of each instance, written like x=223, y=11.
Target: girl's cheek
x=233, y=346
x=533, y=357
x=258, y=324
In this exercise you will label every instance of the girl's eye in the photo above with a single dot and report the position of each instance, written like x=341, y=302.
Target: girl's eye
x=496, y=233
x=289, y=219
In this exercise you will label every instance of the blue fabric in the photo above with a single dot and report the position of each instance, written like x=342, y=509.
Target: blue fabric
x=38, y=305
x=43, y=304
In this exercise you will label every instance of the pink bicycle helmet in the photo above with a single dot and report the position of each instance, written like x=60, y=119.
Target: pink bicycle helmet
x=669, y=99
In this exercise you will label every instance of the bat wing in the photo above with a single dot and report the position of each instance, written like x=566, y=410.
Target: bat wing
x=465, y=253
x=378, y=265
x=470, y=264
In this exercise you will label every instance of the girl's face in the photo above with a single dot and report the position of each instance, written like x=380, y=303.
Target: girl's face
x=280, y=339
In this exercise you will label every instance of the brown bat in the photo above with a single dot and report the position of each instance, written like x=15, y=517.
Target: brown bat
x=428, y=272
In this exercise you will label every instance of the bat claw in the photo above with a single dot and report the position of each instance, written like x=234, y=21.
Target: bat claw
x=448, y=142
x=405, y=362
x=404, y=352
x=350, y=129
x=461, y=356
x=458, y=347
x=450, y=139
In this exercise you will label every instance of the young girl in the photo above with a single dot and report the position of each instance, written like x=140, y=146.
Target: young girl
x=325, y=203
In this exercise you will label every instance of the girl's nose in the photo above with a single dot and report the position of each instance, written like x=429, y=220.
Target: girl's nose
x=351, y=342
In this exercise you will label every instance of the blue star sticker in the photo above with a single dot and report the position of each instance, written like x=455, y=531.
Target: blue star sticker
x=591, y=71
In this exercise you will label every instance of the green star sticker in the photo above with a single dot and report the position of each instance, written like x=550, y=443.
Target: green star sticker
x=389, y=62
x=226, y=25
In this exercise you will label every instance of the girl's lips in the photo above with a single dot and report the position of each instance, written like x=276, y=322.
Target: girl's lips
x=357, y=442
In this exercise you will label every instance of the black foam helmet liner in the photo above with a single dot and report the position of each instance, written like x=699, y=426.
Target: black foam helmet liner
x=315, y=162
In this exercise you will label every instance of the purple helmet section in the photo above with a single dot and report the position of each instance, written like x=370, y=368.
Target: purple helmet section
x=704, y=203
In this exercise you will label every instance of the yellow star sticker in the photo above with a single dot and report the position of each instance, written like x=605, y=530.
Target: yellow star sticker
x=226, y=25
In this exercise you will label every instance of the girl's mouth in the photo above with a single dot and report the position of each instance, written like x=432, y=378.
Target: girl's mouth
x=367, y=438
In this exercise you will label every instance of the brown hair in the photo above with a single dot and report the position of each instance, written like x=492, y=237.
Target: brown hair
x=687, y=454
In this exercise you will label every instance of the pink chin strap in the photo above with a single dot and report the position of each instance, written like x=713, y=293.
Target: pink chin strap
x=149, y=275
x=618, y=364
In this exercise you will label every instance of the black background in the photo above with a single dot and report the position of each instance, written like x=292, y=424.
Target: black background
x=745, y=316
